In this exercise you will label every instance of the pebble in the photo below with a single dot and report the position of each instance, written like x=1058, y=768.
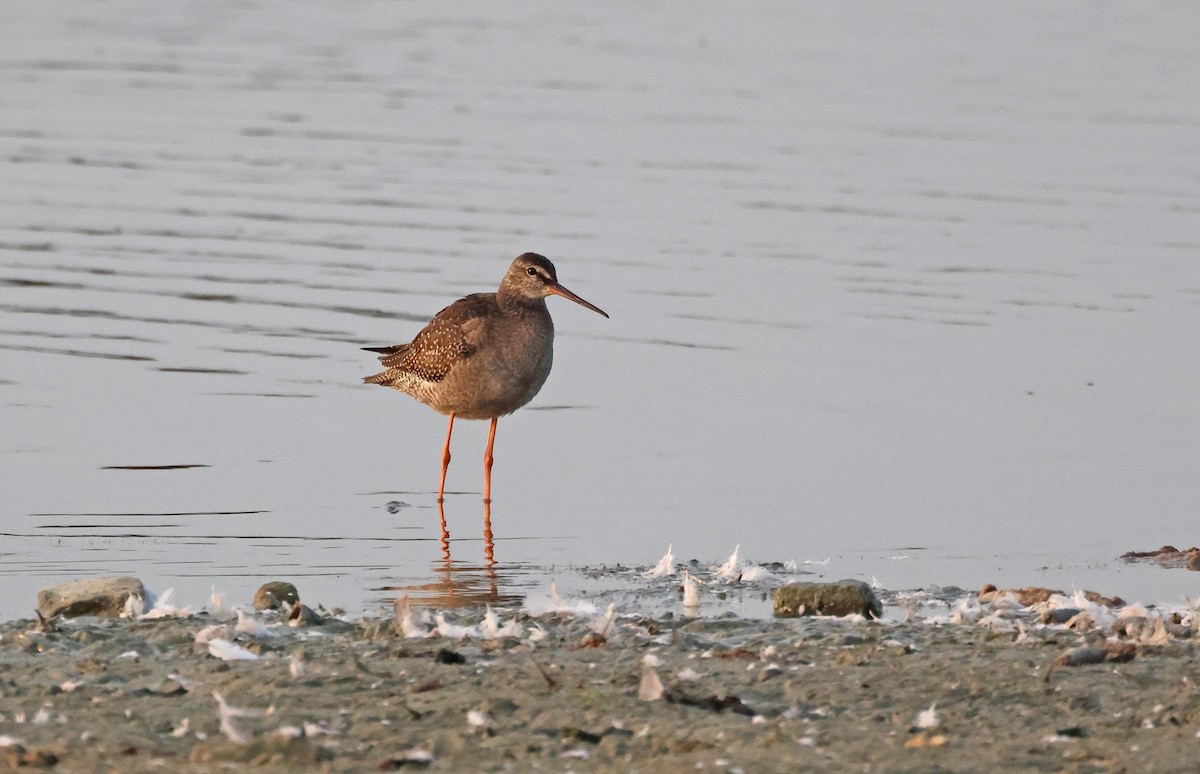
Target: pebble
x=92, y=596
x=769, y=672
x=847, y=597
x=272, y=595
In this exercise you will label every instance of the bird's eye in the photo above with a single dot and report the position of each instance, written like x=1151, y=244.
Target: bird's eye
x=532, y=272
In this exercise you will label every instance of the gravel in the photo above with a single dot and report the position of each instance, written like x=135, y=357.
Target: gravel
x=989, y=688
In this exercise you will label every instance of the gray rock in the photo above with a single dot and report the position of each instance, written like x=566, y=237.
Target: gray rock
x=1059, y=615
x=303, y=615
x=845, y=597
x=271, y=596
x=768, y=673
x=92, y=596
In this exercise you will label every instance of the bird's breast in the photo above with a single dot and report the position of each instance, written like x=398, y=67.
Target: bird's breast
x=507, y=369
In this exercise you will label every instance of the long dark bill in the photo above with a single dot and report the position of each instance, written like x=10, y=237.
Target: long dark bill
x=559, y=290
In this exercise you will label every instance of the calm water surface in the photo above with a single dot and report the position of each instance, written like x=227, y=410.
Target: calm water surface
x=914, y=288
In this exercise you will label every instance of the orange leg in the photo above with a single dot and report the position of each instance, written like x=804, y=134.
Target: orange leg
x=487, y=462
x=445, y=460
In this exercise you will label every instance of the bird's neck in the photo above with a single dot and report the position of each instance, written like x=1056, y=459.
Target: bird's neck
x=521, y=305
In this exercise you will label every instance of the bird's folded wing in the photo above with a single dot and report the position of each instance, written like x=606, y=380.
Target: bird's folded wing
x=445, y=342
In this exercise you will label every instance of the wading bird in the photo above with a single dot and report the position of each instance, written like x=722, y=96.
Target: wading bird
x=484, y=356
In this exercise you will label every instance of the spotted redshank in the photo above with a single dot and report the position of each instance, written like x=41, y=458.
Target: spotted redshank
x=484, y=356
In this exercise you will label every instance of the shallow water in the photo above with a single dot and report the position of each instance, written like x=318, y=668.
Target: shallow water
x=911, y=288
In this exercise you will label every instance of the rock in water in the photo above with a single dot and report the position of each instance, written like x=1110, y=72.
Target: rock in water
x=93, y=596
x=271, y=596
x=845, y=597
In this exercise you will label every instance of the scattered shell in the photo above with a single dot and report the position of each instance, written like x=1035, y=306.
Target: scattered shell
x=927, y=718
x=478, y=720
x=255, y=627
x=651, y=688
x=731, y=569
x=665, y=567
x=691, y=592
x=213, y=632
x=229, y=651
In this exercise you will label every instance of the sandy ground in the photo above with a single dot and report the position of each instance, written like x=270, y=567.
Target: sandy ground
x=542, y=690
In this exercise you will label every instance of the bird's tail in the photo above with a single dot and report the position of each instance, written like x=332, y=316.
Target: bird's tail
x=385, y=378
x=391, y=357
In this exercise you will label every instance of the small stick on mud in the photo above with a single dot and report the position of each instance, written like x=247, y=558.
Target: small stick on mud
x=551, y=683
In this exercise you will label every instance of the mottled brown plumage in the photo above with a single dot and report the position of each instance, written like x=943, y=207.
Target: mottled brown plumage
x=484, y=356
x=439, y=346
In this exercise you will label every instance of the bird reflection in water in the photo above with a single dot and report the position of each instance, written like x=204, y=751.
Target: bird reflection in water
x=461, y=584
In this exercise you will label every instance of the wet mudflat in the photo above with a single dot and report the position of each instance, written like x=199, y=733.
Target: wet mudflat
x=1002, y=679
x=561, y=686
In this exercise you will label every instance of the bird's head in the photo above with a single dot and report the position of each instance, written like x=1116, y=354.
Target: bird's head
x=532, y=276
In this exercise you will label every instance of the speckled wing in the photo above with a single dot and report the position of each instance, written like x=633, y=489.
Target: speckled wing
x=448, y=339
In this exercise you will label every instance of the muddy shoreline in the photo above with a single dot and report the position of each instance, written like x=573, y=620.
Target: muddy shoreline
x=570, y=688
